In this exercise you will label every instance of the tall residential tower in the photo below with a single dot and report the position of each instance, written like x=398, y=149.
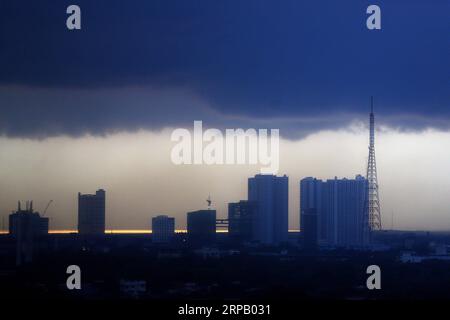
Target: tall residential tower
x=331, y=211
x=270, y=194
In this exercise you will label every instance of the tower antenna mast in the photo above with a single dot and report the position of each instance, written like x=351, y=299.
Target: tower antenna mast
x=372, y=204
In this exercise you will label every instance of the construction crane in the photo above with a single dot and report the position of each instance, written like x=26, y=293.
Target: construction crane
x=48, y=205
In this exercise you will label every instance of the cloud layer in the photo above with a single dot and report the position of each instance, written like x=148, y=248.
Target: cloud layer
x=306, y=61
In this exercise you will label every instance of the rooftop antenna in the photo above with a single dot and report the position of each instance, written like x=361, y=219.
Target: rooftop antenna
x=208, y=201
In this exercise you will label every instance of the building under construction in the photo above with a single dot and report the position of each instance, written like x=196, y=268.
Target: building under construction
x=26, y=226
x=27, y=221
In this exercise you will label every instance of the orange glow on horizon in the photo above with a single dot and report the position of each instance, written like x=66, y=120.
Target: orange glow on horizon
x=124, y=231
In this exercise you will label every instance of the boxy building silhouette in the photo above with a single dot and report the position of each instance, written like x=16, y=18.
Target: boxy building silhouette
x=91, y=213
x=270, y=193
x=163, y=229
x=339, y=206
x=201, y=226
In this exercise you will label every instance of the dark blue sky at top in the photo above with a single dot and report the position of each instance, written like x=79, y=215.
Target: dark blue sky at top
x=257, y=59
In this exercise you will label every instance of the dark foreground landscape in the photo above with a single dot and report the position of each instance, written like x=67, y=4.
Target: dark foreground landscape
x=414, y=266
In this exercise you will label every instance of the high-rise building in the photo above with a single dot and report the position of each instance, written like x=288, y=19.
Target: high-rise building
x=163, y=229
x=91, y=213
x=240, y=220
x=26, y=227
x=270, y=193
x=309, y=221
x=311, y=199
x=201, y=225
x=339, y=205
x=27, y=222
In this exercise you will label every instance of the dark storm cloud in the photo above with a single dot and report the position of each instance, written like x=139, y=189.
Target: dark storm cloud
x=254, y=60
